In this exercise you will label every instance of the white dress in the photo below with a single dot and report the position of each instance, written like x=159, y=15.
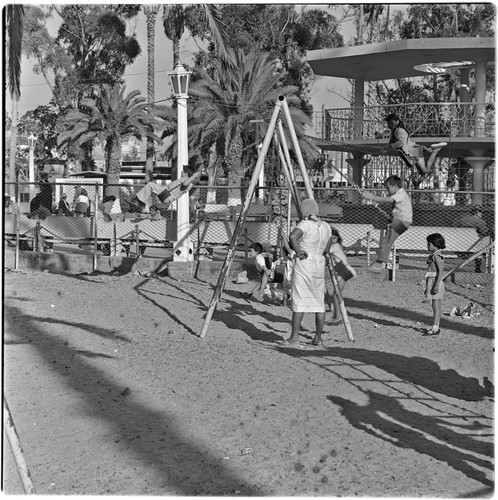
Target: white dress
x=308, y=283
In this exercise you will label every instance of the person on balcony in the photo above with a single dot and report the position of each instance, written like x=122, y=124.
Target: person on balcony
x=400, y=141
x=142, y=201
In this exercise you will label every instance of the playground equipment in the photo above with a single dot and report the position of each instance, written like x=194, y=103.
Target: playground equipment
x=470, y=259
x=15, y=445
x=281, y=105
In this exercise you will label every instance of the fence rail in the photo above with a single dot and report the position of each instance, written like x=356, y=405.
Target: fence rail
x=214, y=212
x=421, y=119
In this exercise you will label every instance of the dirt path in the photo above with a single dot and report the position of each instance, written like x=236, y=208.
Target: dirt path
x=392, y=414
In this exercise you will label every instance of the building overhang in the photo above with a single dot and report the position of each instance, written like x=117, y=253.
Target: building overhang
x=397, y=59
x=458, y=147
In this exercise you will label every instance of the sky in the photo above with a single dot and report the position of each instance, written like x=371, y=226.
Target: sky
x=35, y=91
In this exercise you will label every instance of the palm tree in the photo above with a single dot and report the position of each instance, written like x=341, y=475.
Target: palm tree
x=108, y=118
x=222, y=107
x=150, y=11
x=15, y=17
x=175, y=20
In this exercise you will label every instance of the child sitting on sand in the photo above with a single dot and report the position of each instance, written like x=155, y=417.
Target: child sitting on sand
x=434, y=285
x=256, y=252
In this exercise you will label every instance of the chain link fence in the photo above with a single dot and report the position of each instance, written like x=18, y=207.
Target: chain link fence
x=55, y=218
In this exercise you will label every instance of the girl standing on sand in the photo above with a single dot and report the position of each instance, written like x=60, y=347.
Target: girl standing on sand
x=434, y=285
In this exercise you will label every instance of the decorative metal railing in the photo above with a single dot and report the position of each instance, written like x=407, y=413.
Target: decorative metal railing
x=420, y=119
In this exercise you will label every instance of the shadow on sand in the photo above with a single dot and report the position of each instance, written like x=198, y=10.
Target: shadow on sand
x=182, y=468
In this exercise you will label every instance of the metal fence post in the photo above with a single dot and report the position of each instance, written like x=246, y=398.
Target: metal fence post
x=368, y=248
x=17, y=223
x=245, y=247
x=137, y=241
x=37, y=236
x=95, y=231
x=394, y=263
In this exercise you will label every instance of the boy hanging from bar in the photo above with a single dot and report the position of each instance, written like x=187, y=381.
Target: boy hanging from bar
x=411, y=153
x=142, y=201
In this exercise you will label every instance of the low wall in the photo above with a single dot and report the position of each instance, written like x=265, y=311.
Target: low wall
x=202, y=270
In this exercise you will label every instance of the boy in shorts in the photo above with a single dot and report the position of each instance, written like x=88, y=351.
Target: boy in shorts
x=401, y=221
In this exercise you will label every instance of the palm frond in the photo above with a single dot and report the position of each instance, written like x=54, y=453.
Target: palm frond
x=15, y=18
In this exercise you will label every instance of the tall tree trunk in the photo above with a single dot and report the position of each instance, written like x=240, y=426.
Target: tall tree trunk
x=87, y=161
x=235, y=171
x=13, y=146
x=211, y=171
x=114, y=165
x=150, y=12
x=176, y=51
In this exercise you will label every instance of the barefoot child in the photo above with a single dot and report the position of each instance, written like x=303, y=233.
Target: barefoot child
x=434, y=285
x=344, y=273
x=256, y=252
x=401, y=221
x=400, y=140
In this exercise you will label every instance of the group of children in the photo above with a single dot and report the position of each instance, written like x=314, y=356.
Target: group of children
x=401, y=221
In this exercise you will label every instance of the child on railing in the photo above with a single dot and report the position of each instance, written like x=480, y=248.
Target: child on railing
x=344, y=273
x=401, y=142
x=434, y=284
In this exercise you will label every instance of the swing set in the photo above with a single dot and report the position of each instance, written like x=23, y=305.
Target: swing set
x=275, y=131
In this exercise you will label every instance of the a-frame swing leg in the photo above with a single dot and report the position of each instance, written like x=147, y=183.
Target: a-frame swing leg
x=309, y=189
x=288, y=176
x=340, y=300
x=240, y=221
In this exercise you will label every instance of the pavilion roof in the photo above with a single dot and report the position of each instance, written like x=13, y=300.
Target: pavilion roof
x=396, y=59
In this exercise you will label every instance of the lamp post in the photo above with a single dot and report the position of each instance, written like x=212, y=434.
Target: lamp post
x=182, y=249
x=31, y=165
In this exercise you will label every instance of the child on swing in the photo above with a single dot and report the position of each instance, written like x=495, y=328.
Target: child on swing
x=400, y=140
x=401, y=221
x=434, y=285
x=344, y=273
x=142, y=201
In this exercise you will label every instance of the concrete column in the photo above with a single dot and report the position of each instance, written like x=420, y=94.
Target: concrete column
x=464, y=100
x=359, y=97
x=182, y=249
x=477, y=163
x=480, y=112
x=357, y=165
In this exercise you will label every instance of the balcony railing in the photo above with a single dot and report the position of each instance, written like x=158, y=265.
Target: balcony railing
x=420, y=119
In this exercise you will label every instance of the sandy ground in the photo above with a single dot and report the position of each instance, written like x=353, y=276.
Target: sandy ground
x=392, y=414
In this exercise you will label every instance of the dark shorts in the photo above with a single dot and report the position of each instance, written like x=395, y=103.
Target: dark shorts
x=399, y=226
x=343, y=271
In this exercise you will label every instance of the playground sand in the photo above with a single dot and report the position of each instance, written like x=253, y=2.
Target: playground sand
x=112, y=392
